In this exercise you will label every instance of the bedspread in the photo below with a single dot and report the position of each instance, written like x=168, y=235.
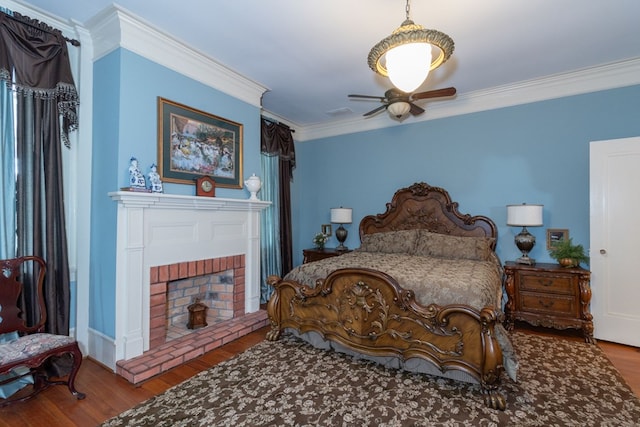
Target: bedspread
x=434, y=280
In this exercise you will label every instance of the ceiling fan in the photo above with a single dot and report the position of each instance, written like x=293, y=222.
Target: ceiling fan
x=399, y=103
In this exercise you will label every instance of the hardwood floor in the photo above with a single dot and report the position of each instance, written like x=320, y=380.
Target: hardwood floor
x=108, y=394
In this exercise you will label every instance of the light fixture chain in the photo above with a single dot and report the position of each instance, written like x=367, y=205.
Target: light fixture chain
x=408, y=8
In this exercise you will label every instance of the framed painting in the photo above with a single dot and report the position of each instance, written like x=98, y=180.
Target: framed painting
x=555, y=235
x=193, y=144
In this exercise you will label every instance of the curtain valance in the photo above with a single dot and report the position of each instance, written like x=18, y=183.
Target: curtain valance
x=34, y=61
x=277, y=140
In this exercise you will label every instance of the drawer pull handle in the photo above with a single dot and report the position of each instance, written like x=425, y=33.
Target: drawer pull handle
x=545, y=304
x=546, y=282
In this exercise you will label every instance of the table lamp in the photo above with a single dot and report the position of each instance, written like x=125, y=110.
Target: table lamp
x=524, y=216
x=341, y=216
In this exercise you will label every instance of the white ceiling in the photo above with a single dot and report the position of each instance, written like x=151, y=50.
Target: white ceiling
x=311, y=54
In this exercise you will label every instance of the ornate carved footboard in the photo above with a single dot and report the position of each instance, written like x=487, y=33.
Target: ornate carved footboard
x=369, y=312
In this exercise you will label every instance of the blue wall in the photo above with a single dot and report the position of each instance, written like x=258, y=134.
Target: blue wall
x=126, y=88
x=533, y=153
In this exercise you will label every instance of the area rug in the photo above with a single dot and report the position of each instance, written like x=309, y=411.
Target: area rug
x=290, y=383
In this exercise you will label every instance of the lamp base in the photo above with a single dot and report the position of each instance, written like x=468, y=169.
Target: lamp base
x=525, y=241
x=341, y=235
x=526, y=260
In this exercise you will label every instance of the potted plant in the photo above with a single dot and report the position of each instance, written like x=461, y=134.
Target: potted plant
x=319, y=240
x=567, y=254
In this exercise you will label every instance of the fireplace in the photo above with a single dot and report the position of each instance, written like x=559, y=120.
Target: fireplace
x=176, y=236
x=218, y=283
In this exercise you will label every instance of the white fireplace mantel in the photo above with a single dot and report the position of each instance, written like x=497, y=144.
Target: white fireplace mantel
x=159, y=229
x=132, y=199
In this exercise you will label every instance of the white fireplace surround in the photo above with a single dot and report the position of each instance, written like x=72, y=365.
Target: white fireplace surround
x=159, y=229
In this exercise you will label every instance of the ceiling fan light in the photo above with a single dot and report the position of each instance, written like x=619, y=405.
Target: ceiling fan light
x=408, y=65
x=399, y=109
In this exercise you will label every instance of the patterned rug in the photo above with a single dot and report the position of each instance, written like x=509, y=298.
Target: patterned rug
x=290, y=383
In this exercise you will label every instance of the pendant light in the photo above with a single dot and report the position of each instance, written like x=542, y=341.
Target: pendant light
x=407, y=55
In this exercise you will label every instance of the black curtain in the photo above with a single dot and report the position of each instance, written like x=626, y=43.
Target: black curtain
x=277, y=140
x=34, y=62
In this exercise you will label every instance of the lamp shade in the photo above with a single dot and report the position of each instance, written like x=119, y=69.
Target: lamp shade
x=399, y=109
x=524, y=215
x=341, y=215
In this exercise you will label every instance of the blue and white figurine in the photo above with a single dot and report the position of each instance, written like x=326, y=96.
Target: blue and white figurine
x=136, y=178
x=154, y=180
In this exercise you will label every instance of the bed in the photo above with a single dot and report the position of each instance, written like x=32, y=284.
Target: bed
x=422, y=292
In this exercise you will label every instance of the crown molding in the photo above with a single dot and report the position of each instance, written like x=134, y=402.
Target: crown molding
x=115, y=27
x=604, y=77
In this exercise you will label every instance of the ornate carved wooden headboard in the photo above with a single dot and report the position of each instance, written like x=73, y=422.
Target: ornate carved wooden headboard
x=422, y=206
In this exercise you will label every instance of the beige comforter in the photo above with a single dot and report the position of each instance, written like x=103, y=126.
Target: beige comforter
x=441, y=281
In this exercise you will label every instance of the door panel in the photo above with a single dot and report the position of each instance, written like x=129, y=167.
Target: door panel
x=615, y=236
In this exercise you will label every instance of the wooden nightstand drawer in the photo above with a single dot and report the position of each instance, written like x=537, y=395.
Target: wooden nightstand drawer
x=548, y=295
x=555, y=305
x=547, y=283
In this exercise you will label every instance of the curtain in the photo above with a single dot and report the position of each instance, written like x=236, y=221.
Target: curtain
x=7, y=176
x=277, y=141
x=271, y=259
x=34, y=64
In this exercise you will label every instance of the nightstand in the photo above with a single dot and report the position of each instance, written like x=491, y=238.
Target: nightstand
x=549, y=295
x=316, y=254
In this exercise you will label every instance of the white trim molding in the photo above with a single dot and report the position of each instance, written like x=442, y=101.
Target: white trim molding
x=116, y=27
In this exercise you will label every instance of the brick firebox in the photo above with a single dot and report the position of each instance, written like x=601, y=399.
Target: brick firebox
x=163, y=355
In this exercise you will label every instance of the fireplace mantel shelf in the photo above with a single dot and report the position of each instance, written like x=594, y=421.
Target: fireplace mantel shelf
x=175, y=201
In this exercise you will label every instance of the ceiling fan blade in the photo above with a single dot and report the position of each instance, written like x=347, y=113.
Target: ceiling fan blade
x=415, y=110
x=381, y=98
x=449, y=91
x=375, y=110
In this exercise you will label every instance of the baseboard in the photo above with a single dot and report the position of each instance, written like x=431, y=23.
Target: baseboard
x=102, y=349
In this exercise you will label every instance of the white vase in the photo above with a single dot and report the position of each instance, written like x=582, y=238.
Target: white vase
x=253, y=184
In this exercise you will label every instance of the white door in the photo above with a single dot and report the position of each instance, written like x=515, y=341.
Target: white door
x=615, y=239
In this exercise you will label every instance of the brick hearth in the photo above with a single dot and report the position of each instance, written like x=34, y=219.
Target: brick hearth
x=181, y=350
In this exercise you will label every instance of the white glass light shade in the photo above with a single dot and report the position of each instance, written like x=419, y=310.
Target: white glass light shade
x=341, y=215
x=524, y=215
x=408, y=65
x=399, y=109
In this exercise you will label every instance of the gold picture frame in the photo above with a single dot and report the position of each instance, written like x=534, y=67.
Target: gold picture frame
x=193, y=144
x=556, y=235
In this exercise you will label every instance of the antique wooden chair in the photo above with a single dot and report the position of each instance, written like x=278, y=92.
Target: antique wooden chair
x=24, y=349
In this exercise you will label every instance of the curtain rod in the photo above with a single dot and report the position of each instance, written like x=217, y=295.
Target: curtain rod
x=34, y=23
x=274, y=121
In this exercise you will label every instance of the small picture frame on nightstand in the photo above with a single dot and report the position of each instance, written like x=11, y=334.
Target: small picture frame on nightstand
x=556, y=235
x=326, y=229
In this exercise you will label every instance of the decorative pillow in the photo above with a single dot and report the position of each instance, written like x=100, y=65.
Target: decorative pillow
x=454, y=247
x=389, y=242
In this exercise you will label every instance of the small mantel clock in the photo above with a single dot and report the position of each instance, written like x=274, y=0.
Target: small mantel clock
x=205, y=186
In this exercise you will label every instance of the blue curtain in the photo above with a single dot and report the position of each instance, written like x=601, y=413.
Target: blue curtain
x=7, y=175
x=7, y=218
x=271, y=259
